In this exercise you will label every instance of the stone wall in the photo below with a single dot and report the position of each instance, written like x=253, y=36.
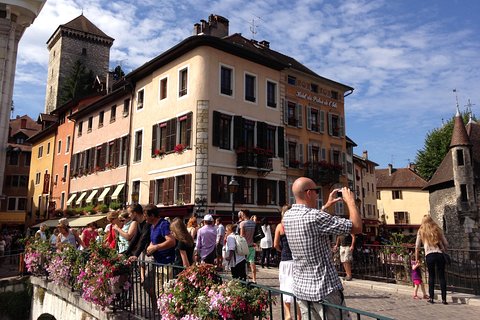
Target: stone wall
x=443, y=208
x=63, y=55
x=62, y=303
x=201, y=150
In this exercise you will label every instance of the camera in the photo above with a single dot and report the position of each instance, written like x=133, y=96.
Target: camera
x=339, y=194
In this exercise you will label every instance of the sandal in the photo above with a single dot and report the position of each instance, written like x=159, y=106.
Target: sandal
x=416, y=297
x=426, y=296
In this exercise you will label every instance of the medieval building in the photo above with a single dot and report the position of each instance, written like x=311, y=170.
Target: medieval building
x=454, y=199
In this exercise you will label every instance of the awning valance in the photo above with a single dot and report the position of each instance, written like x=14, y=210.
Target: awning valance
x=103, y=194
x=69, y=201
x=83, y=221
x=79, y=200
x=90, y=197
x=117, y=191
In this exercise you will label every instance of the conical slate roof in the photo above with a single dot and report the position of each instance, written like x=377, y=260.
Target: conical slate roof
x=459, y=135
x=81, y=23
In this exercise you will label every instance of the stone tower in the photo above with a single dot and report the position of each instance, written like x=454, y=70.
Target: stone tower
x=464, y=182
x=15, y=17
x=76, y=40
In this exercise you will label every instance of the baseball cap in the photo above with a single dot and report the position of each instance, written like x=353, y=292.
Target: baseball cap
x=208, y=217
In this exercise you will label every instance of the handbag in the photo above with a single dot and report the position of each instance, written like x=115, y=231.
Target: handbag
x=447, y=258
x=258, y=235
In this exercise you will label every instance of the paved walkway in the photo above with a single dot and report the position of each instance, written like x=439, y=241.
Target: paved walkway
x=394, y=301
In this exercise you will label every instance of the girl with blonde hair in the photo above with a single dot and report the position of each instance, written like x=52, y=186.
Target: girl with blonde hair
x=434, y=243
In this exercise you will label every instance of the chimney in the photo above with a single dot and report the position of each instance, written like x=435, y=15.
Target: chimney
x=265, y=44
x=216, y=26
x=412, y=166
x=365, y=155
x=390, y=169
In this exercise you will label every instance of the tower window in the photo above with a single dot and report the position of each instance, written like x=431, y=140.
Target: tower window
x=460, y=159
x=84, y=51
x=463, y=193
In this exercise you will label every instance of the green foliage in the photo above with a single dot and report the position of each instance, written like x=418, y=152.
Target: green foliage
x=16, y=305
x=118, y=73
x=79, y=83
x=115, y=205
x=437, y=144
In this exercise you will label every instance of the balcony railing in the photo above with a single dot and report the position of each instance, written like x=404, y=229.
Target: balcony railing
x=322, y=172
x=258, y=159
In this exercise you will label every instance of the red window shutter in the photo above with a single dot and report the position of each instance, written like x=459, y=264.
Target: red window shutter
x=151, y=191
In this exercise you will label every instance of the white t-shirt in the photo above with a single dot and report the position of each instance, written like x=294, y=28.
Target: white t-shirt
x=266, y=242
x=231, y=245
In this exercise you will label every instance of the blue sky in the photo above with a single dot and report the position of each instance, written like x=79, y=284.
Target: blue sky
x=403, y=57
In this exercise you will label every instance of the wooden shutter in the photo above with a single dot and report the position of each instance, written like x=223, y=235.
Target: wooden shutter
x=281, y=142
x=309, y=152
x=216, y=128
x=286, y=158
x=321, y=114
x=299, y=116
x=285, y=111
x=92, y=158
x=341, y=130
x=171, y=134
x=262, y=192
x=189, y=129
x=103, y=154
x=300, y=155
x=116, y=152
x=261, y=134
x=188, y=189
x=309, y=118
x=72, y=165
x=282, y=193
x=238, y=138
x=151, y=192
x=214, y=188
x=330, y=129
x=155, y=130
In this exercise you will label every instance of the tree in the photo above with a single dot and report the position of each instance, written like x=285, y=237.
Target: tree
x=437, y=144
x=118, y=73
x=78, y=84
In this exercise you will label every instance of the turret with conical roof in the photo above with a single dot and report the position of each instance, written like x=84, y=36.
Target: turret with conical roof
x=459, y=135
x=77, y=40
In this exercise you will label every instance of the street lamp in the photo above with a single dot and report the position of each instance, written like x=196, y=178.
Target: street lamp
x=232, y=189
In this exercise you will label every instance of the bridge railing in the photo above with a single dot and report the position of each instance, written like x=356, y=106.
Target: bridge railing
x=149, y=279
x=392, y=264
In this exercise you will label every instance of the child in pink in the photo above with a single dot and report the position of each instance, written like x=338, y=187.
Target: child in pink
x=417, y=280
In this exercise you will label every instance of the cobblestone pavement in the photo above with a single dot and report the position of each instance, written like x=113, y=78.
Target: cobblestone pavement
x=393, y=301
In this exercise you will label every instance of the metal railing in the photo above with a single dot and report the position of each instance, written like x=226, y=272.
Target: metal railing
x=140, y=300
x=392, y=264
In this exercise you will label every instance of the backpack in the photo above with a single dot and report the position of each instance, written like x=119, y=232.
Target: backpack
x=241, y=246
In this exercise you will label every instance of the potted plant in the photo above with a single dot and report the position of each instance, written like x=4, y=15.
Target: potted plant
x=179, y=148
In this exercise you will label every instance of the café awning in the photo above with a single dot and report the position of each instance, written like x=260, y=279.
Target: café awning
x=83, y=221
x=91, y=196
x=103, y=194
x=117, y=191
x=69, y=201
x=79, y=200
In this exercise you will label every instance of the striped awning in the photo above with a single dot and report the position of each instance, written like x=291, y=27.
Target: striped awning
x=117, y=191
x=103, y=194
x=69, y=201
x=79, y=200
x=92, y=194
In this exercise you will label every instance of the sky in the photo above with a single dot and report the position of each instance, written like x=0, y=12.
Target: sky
x=403, y=57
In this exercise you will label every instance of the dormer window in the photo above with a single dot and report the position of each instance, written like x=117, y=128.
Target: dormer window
x=460, y=159
x=84, y=51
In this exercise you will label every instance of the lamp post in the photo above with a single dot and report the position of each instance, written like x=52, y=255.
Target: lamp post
x=232, y=189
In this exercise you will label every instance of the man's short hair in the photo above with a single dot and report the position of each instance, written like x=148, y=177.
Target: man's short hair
x=137, y=208
x=246, y=213
x=151, y=211
x=219, y=220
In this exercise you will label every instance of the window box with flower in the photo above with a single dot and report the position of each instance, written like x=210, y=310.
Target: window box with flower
x=160, y=153
x=179, y=148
